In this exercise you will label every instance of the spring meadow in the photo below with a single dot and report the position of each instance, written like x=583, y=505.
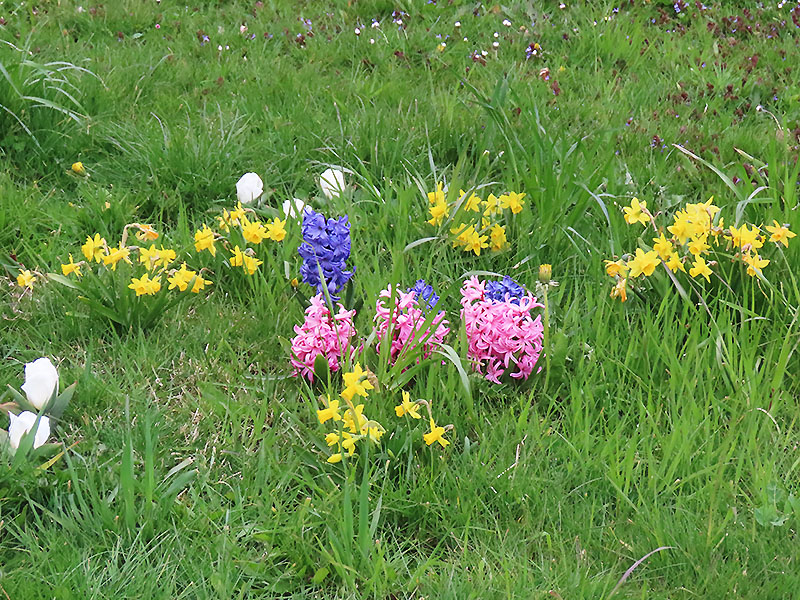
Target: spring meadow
x=399, y=299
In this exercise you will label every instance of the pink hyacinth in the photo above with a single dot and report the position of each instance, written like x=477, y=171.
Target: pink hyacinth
x=502, y=335
x=321, y=335
x=407, y=320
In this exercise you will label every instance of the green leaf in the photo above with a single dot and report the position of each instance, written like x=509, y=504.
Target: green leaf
x=320, y=575
x=57, y=406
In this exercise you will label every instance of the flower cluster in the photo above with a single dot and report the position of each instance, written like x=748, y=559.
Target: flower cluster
x=354, y=424
x=406, y=320
x=322, y=334
x=502, y=335
x=504, y=290
x=425, y=292
x=235, y=229
x=325, y=247
x=477, y=222
x=696, y=230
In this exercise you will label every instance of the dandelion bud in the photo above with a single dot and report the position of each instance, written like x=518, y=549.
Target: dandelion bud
x=78, y=168
x=545, y=273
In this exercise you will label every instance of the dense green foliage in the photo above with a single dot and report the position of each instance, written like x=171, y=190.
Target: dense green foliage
x=198, y=472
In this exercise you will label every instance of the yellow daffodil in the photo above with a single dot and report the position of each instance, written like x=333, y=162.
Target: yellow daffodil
x=26, y=279
x=663, y=247
x=253, y=231
x=512, y=200
x=436, y=434
x=181, y=278
x=354, y=418
x=780, y=233
x=94, y=248
x=643, y=262
x=754, y=263
x=636, y=212
x=356, y=383
x=616, y=268
x=681, y=229
x=200, y=284
x=497, y=237
x=698, y=246
x=492, y=206
x=472, y=203
x=149, y=257
x=204, y=240
x=700, y=268
x=330, y=412
x=251, y=263
x=675, y=264
x=116, y=255
x=71, y=267
x=745, y=238
x=145, y=285
x=276, y=229
x=406, y=407
x=438, y=212
x=436, y=197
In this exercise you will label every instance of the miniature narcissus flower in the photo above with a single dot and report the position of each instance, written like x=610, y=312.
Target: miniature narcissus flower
x=780, y=233
x=204, y=240
x=637, y=212
x=436, y=434
x=700, y=268
x=71, y=267
x=94, y=248
x=356, y=383
x=145, y=286
x=407, y=407
x=643, y=262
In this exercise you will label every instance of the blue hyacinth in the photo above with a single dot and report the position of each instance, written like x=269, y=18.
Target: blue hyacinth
x=425, y=292
x=498, y=290
x=326, y=244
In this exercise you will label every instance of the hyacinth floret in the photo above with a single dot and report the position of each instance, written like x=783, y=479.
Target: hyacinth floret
x=407, y=320
x=502, y=335
x=425, y=292
x=322, y=335
x=505, y=290
x=326, y=245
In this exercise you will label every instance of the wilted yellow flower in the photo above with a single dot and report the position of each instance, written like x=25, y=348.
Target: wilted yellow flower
x=620, y=290
x=616, y=268
x=146, y=232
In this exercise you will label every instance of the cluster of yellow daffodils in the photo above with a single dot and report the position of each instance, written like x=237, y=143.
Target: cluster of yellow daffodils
x=156, y=262
x=477, y=221
x=697, y=229
x=250, y=229
x=353, y=423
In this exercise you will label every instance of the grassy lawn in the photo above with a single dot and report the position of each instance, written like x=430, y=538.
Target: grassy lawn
x=191, y=463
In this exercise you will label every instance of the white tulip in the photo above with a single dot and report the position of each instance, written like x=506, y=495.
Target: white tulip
x=22, y=424
x=249, y=188
x=293, y=208
x=41, y=382
x=332, y=183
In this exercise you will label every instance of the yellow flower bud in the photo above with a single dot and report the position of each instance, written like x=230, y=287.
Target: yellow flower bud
x=78, y=169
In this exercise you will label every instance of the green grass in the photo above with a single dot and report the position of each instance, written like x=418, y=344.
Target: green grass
x=198, y=469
